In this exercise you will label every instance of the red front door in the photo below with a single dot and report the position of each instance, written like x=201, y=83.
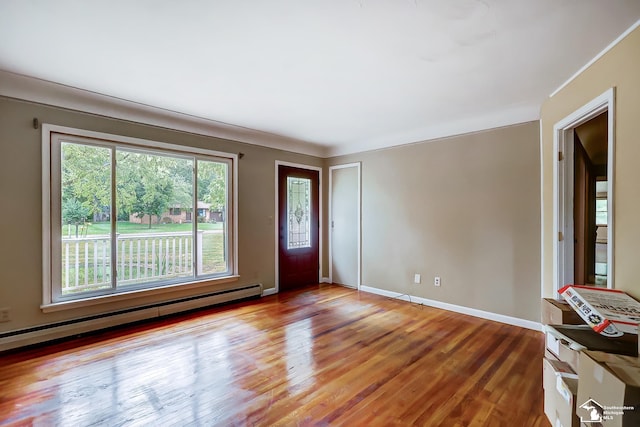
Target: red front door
x=299, y=223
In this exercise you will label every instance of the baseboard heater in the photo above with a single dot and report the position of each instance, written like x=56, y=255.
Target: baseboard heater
x=43, y=333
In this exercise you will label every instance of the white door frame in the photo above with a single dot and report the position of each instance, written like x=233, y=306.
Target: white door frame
x=276, y=222
x=359, y=231
x=563, y=236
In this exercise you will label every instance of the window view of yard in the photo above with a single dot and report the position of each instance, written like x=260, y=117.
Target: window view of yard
x=162, y=233
x=144, y=254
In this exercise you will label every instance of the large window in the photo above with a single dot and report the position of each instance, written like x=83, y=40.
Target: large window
x=129, y=215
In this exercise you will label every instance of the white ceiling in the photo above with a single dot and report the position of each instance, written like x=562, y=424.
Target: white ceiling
x=338, y=76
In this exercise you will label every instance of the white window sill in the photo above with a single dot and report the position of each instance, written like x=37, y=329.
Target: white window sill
x=133, y=295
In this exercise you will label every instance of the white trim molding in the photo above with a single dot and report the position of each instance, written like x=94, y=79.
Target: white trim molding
x=45, y=92
x=509, y=320
x=506, y=117
x=563, y=185
x=25, y=88
x=270, y=291
x=598, y=56
x=542, y=237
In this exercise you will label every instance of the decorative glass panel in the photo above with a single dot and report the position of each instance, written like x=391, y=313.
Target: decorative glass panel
x=299, y=211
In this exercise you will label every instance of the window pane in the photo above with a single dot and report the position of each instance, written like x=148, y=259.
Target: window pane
x=602, y=187
x=127, y=216
x=601, y=212
x=298, y=210
x=212, y=224
x=601, y=205
x=85, y=202
x=154, y=240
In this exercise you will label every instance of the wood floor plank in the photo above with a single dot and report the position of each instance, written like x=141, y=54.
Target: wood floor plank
x=323, y=355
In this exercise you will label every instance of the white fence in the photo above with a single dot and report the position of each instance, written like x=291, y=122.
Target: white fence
x=86, y=261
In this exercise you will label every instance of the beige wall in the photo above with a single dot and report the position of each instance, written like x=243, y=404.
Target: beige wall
x=466, y=208
x=21, y=213
x=618, y=68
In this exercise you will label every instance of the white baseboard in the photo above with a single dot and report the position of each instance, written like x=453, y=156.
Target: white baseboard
x=325, y=280
x=270, y=291
x=515, y=321
x=209, y=301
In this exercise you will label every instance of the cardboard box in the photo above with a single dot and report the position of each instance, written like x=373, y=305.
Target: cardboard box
x=608, y=311
x=609, y=390
x=580, y=337
x=567, y=390
x=560, y=385
x=552, y=368
x=563, y=348
x=559, y=312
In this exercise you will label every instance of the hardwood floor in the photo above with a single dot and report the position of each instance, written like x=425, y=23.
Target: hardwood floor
x=325, y=355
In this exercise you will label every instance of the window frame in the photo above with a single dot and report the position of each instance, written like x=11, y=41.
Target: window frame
x=51, y=292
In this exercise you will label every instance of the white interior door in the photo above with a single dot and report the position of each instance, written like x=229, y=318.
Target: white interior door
x=345, y=224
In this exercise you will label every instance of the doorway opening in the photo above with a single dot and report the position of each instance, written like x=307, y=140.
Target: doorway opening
x=583, y=195
x=590, y=195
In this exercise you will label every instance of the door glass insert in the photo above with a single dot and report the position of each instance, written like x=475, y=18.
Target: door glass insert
x=298, y=212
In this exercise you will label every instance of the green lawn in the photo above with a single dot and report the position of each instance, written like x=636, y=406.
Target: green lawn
x=125, y=227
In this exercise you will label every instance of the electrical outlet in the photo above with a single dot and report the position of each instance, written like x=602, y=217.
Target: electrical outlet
x=416, y=278
x=4, y=314
x=436, y=281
